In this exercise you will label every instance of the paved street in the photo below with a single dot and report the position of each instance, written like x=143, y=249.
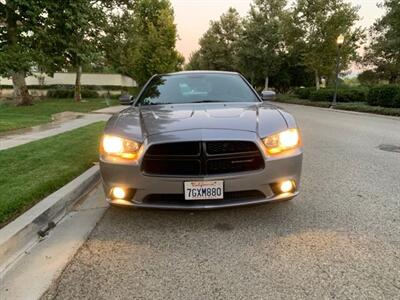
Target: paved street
x=339, y=239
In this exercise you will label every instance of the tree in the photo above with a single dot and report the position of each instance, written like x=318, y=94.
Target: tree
x=262, y=43
x=292, y=73
x=26, y=41
x=368, y=78
x=156, y=38
x=48, y=35
x=384, y=50
x=142, y=41
x=218, y=46
x=195, y=61
x=119, y=43
x=84, y=22
x=318, y=23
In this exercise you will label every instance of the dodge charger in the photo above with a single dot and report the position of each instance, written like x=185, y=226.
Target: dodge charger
x=200, y=140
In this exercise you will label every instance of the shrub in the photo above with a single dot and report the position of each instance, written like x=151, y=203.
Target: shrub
x=134, y=91
x=304, y=93
x=61, y=92
x=352, y=95
x=343, y=95
x=397, y=100
x=322, y=95
x=71, y=86
x=89, y=87
x=385, y=95
x=85, y=93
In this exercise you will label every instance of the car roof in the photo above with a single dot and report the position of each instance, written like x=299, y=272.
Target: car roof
x=202, y=72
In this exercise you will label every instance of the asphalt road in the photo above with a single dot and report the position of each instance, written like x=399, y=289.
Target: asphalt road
x=339, y=239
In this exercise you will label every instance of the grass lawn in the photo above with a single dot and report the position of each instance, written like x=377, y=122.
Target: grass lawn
x=13, y=117
x=30, y=172
x=351, y=106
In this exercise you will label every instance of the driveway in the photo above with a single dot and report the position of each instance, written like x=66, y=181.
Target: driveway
x=339, y=239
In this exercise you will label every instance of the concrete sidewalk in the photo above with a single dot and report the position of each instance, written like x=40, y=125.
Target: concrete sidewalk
x=28, y=135
x=38, y=267
x=111, y=109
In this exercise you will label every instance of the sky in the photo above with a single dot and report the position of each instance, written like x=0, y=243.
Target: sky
x=193, y=17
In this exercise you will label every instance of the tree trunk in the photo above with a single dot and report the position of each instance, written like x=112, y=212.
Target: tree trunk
x=266, y=83
x=21, y=92
x=393, y=79
x=317, y=80
x=78, y=96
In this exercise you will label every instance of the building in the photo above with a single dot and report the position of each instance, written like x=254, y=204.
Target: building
x=37, y=83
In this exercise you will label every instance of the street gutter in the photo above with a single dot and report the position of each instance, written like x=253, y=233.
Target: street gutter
x=27, y=230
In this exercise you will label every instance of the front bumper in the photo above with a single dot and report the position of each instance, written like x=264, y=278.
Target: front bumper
x=198, y=205
x=167, y=192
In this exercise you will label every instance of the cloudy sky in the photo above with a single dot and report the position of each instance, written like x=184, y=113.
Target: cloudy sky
x=193, y=17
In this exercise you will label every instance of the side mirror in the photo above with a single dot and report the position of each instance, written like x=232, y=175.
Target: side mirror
x=268, y=95
x=126, y=99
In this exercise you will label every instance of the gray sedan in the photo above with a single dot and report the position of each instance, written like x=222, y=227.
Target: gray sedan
x=200, y=140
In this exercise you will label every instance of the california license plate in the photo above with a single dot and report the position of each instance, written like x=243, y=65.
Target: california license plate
x=204, y=190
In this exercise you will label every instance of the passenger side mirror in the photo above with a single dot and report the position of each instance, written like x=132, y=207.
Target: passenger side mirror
x=268, y=95
x=126, y=99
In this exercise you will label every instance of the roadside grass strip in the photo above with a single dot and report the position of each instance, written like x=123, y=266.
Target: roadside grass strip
x=30, y=172
x=16, y=117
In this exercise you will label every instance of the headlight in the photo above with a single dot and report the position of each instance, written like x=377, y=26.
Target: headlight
x=282, y=141
x=118, y=147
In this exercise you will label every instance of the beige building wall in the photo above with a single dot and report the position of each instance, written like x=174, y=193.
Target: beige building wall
x=69, y=79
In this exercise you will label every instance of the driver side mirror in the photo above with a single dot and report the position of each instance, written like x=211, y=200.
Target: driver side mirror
x=268, y=95
x=126, y=99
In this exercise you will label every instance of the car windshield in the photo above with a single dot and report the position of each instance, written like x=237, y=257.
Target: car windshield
x=196, y=88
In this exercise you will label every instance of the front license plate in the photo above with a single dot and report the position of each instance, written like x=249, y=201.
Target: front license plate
x=204, y=190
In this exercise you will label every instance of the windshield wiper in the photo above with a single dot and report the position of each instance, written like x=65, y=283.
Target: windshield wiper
x=159, y=103
x=207, y=101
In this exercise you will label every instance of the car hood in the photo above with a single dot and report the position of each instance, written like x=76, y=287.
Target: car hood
x=260, y=118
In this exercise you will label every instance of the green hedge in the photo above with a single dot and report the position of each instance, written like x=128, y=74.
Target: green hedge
x=321, y=95
x=353, y=95
x=304, y=93
x=385, y=96
x=88, y=91
x=62, y=93
x=343, y=95
x=397, y=100
x=88, y=87
x=134, y=91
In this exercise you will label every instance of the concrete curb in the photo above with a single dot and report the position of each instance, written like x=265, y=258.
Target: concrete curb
x=22, y=233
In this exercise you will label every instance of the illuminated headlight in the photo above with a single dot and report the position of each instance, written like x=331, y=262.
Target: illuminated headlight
x=118, y=147
x=282, y=141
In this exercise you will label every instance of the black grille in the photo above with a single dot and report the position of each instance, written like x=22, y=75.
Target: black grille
x=202, y=158
x=186, y=148
x=234, y=165
x=170, y=166
x=221, y=147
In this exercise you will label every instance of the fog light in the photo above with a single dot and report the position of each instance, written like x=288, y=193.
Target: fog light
x=286, y=186
x=118, y=193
